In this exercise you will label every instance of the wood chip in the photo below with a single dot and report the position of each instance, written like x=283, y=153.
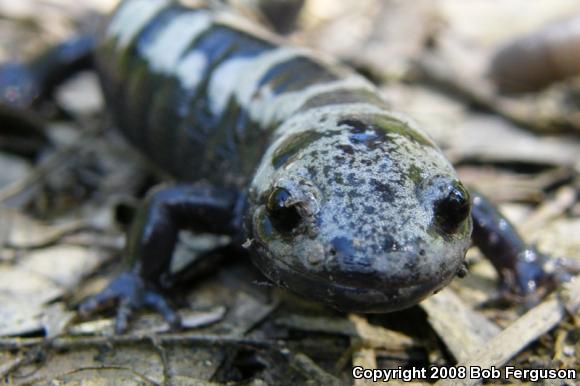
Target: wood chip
x=371, y=336
x=528, y=328
x=461, y=328
x=9, y=365
x=150, y=324
x=550, y=209
x=365, y=358
x=312, y=371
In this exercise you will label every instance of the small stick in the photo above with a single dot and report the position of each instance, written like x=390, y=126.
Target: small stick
x=457, y=325
x=191, y=338
x=519, y=334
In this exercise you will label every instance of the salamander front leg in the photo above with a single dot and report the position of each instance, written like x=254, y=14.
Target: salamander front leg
x=523, y=270
x=151, y=242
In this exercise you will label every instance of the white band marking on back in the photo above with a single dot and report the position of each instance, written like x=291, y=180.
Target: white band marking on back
x=269, y=109
x=224, y=81
x=164, y=52
x=131, y=17
x=240, y=77
x=191, y=69
x=248, y=86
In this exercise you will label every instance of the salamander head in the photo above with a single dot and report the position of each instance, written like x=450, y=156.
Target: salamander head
x=361, y=212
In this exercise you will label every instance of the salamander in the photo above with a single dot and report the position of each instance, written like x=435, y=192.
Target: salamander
x=337, y=197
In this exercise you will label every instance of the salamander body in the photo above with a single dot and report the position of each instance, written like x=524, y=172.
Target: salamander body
x=337, y=197
x=211, y=97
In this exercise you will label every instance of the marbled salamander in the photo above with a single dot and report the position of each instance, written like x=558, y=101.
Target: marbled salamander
x=338, y=198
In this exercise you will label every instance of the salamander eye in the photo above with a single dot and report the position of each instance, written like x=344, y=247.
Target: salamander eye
x=284, y=216
x=453, y=208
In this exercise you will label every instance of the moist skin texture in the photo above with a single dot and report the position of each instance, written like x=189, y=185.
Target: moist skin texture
x=209, y=96
x=366, y=184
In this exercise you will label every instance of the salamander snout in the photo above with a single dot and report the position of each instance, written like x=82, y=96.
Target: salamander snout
x=365, y=255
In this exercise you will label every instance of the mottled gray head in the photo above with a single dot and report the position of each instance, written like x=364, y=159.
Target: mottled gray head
x=360, y=211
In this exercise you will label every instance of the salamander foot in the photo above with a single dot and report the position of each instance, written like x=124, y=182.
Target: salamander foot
x=131, y=292
x=535, y=275
x=18, y=87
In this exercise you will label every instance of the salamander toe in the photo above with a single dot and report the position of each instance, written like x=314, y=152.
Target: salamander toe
x=131, y=293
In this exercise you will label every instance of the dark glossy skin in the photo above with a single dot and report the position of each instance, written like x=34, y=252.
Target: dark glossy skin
x=519, y=265
x=339, y=199
x=23, y=86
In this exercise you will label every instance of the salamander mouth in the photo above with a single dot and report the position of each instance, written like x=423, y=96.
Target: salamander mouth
x=371, y=291
x=368, y=284
x=346, y=297
x=343, y=278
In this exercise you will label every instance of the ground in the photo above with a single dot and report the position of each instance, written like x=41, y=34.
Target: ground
x=62, y=212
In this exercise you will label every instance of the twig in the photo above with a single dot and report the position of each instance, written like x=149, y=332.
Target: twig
x=162, y=357
x=38, y=173
x=56, y=236
x=517, y=336
x=11, y=365
x=434, y=70
x=181, y=339
x=457, y=325
x=48, y=166
x=564, y=199
x=312, y=371
x=364, y=357
x=373, y=336
x=143, y=378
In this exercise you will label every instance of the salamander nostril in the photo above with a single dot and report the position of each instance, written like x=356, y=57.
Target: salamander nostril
x=341, y=246
x=452, y=209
